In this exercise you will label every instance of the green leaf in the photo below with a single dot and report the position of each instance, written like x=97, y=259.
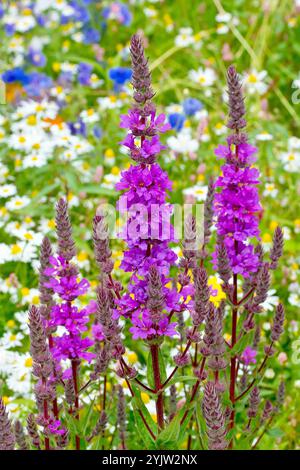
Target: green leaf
x=96, y=189
x=201, y=426
x=171, y=433
x=242, y=343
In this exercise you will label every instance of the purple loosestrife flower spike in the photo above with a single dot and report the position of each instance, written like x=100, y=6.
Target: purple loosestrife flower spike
x=256, y=338
x=38, y=343
x=147, y=232
x=224, y=269
x=237, y=204
x=46, y=294
x=141, y=77
x=277, y=327
x=281, y=393
x=189, y=248
x=156, y=299
x=20, y=436
x=254, y=401
x=100, y=426
x=66, y=245
x=69, y=391
x=277, y=248
x=7, y=438
x=101, y=244
x=33, y=431
x=236, y=101
x=263, y=285
x=62, y=440
x=267, y=411
x=202, y=295
x=214, y=417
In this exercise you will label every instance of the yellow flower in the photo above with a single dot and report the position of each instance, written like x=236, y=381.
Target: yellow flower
x=109, y=153
x=217, y=294
x=28, y=362
x=145, y=397
x=132, y=357
x=273, y=225
x=15, y=249
x=11, y=324
x=5, y=400
x=82, y=256
x=266, y=238
x=25, y=291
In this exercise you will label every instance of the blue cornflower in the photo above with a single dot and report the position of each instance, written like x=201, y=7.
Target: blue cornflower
x=176, y=121
x=191, y=106
x=38, y=83
x=37, y=58
x=84, y=73
x=16, y=75
x=91, y=36
x=9, y=29
x=77, y=128
x=120, y=75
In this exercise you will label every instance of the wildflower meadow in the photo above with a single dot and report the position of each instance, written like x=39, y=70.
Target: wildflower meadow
x=149, y=225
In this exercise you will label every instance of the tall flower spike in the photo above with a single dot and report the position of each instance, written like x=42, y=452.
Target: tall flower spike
x=156, y=300
x=214, y=417
x=101, y=244
x=7, y=438
x=20, y=436
x=254, y=401
x=236, y=101
x=277, y=327
x=141, y=77
x=277, y=248
x=38, y=342
x=223, y=262
x=33, y=431
x=189, y=248
x=100, y=426
x=66, y=245
x=202, y=294
x=46, y=298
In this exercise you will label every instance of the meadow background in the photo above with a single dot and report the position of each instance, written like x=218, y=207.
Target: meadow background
x=65, y=69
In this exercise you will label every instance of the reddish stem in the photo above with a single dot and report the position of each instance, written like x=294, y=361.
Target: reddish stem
x=46, y=416
x=194, y=390
x=154, y=348
x=76, y=401
x=233, y=359
x=54, y=403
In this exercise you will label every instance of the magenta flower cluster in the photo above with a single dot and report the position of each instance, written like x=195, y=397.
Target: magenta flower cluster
x=64, y=282
x=237, y=207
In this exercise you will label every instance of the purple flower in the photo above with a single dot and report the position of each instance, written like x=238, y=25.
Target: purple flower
x=147, y=150
x=72, y=347
x=84, y=72
x=69, y=316
x=142, y=327
x=165, y=328
x=248, y=356
x=97, y=332
x=67, y=287
x=55, y=428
